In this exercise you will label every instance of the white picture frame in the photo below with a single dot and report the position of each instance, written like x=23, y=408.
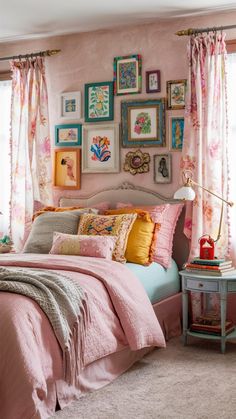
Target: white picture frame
x=162, y=168
x=70, y=105
x=100, y=148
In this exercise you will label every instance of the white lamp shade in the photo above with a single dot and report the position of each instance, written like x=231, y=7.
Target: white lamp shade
x=185, y=193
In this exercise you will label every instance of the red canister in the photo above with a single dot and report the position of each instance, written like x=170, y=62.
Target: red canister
x=207, y=247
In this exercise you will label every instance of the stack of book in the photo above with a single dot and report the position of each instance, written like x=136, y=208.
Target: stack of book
x=211, y=325
x=217, y=267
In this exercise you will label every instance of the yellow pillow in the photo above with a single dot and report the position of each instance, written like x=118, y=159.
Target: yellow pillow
x=139, y=245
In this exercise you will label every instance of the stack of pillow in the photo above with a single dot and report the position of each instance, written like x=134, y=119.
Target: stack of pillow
x=139, y=235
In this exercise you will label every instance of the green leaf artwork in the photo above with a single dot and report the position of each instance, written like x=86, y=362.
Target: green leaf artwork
x=99, y=101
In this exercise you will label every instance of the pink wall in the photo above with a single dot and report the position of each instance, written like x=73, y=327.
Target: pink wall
x=88, y=57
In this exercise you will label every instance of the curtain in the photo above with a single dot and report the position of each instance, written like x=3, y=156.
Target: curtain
x=231, y=94
x=5, y=172
x=30, y=145
x=204, y=152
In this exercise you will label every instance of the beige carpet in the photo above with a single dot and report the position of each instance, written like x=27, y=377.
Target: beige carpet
x=180, y=382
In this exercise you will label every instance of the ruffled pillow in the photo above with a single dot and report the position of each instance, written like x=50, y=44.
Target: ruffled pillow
x=109, y=225
x=82, y=245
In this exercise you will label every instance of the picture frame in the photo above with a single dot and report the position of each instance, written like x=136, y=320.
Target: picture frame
x=153, y=81
x=68, y=135
x=143, y=123
x=99, y=101
x=127, y=74
x=176, y=93
x=70, y=105
x=66, y=168
x=162, y=168
x=175, y=132
x=101, y=150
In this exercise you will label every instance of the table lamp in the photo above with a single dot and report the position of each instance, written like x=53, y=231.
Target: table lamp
x=187, y=193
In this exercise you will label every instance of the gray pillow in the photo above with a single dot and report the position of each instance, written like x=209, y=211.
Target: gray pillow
x=41, y=236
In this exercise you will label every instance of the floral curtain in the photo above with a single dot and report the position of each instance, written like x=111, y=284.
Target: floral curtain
x=30, y=145
x=204, y=152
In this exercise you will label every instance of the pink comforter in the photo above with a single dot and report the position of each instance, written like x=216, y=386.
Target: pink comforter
x=30, y=359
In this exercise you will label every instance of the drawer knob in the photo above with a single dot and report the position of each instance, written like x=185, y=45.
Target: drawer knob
x=200, y=285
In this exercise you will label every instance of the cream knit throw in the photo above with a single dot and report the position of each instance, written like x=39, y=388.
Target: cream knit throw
x=63, y=301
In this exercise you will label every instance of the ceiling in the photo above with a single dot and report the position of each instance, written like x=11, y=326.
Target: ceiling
x=28, y=19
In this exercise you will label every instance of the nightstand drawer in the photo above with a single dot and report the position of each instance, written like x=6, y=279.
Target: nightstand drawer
x=197, y=284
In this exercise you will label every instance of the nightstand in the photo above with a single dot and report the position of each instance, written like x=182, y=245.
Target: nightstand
x=207, y=284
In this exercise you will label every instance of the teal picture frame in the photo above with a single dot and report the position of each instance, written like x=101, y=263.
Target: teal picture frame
x=176, y=133
x=68, y=135
x=143, y=123
x=99, y=101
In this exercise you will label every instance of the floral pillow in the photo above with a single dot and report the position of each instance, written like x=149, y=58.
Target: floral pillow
x=109, y=225
x=81, y=245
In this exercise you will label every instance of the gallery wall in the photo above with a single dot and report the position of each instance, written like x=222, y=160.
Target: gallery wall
x=88, y=57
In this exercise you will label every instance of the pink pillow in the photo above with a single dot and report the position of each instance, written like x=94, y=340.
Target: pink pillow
x=167, y=216
x=82, y=245
x=102, y=206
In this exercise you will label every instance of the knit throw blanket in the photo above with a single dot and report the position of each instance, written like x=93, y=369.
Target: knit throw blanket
x=65, y=304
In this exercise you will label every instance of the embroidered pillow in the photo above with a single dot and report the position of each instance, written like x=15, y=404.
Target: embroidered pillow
x=112, y=225
x=139, y=245
x=166, y=216
x=80, y=245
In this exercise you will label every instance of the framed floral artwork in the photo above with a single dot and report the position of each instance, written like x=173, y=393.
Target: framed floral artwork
x=175, y=132
x=68, y=135
x=153, y=81
x=99, y=102
x=127, y=74
x=101, y=149
x=137, y=162
x=70, y=105
x=162, y=168
x=66, y=170
x=143, y=123
x=176, y=92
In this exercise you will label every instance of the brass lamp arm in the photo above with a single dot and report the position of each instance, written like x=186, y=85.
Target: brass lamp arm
x=191, y=182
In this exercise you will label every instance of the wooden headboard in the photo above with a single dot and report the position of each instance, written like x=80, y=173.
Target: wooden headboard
x=128, y=193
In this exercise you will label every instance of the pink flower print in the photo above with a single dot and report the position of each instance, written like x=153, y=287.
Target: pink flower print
x=46, y=146
x=213, y=150
x=33, y=128
x=207, y=211
x=137, y=129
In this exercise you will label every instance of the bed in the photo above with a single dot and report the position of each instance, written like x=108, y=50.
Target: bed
x=33, y=382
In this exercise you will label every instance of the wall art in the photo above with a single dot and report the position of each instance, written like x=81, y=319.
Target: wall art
x=127, y=74
x=68, y=135
x=153, y=81
x=176, y=92
x=162, y=168
x=143, y=123
x=101, y=150
x=99, y=102
x=67, y=168
x=175, y=132
x=136, y=162
x=70, y=105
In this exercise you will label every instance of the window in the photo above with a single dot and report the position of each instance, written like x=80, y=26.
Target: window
x=5, y=172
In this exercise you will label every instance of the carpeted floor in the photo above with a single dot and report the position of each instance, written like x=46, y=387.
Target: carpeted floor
x=180, y=382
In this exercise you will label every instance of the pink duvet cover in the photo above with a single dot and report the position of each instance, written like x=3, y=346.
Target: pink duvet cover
x=31, y=371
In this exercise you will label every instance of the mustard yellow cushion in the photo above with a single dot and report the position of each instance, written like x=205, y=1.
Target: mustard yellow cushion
x=113, y=225
x=139, y=245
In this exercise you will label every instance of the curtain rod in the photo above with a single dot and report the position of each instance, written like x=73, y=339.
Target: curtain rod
x=192, y=31
x=47, y=53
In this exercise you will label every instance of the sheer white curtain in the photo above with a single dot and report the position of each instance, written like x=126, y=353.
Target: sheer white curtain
x=231, y=87
x=5, y=169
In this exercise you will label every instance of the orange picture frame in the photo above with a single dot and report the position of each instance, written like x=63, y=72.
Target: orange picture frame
x=67, y=168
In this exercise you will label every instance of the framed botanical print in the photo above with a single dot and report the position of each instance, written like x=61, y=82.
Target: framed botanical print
x=101, y=149
x=175, y=132
x=68, y=135
x=127, y=74
x=162, y=168
x=143, y=123
x=70, y=105
x=153, y=81
x=176, y=92
x=99, y=102
x=67, y=168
